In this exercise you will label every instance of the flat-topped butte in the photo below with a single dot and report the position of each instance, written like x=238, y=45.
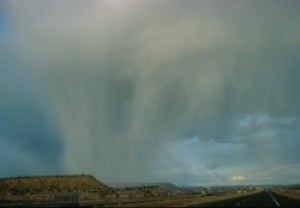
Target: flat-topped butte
x=48, y=184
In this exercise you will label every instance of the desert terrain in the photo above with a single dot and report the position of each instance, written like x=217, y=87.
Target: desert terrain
x=86, y=191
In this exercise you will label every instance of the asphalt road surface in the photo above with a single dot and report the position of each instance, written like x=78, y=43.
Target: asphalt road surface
x=262, y=199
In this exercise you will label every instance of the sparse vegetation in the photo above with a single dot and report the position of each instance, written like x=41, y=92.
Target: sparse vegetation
x=289, y=191
x=85, y=190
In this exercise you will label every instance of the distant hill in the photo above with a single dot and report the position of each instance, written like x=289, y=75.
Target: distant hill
x=46, y=184
x=165, y=186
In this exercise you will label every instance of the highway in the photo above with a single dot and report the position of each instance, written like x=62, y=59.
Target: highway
x=262, y=199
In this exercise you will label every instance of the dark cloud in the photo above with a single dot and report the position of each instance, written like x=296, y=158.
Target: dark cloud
x=29, y=143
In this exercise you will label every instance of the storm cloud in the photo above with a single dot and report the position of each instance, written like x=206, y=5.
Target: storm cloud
x=198, y=92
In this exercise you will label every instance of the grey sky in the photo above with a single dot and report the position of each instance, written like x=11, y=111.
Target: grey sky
x=190, y=92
